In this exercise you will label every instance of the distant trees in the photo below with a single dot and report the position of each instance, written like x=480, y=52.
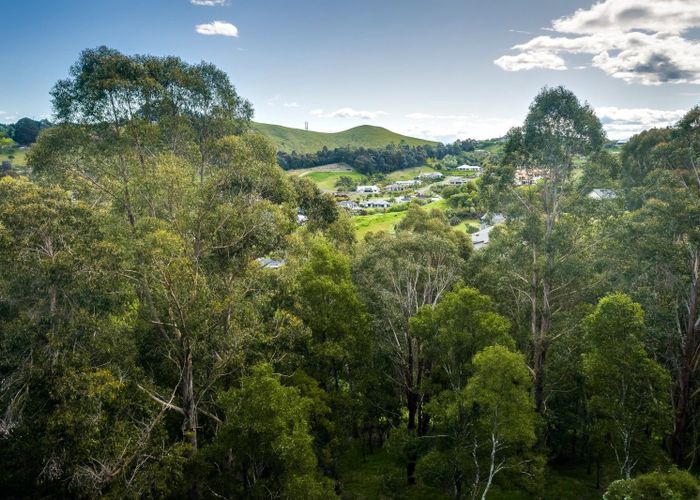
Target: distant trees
x=370, y=161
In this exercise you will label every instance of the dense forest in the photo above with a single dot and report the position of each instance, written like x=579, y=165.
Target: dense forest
x=146, y=353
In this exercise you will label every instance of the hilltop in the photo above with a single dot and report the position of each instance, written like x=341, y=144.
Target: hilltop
x=306, y=141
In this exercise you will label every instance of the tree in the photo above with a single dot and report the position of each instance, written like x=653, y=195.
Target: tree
x=399, y=275
x=487, y=428
x=263, y=447
x=628, y=391
x=26, y=131
x=557, y=130
x=675, y=484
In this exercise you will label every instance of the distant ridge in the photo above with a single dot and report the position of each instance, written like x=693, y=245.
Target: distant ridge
x=306, y=141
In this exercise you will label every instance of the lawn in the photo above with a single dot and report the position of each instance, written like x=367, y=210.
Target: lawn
x=326, y=180
x=20, y=156
x=377, y=222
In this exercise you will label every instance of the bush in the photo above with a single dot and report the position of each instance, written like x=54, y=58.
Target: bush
x=673, y=485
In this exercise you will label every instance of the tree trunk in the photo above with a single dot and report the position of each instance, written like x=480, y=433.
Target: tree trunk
x=189, y=404
x=687, y=370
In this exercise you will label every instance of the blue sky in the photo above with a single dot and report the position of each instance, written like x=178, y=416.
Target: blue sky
x=441, y=69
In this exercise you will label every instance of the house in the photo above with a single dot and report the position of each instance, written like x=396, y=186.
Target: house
x=602, y=194
x=403, y=199
x=394, y=187
x=430, y=175
x=349, y=205
x=457, y=181
x=267, y=263
x=469, y=168
x=408, y=183
x=527, y=177
x=375, y=204
x=302, y=219
x=368, y=189
x=481, y=238
x=491, y=220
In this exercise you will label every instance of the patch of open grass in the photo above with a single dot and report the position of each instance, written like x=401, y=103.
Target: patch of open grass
x=408, y=174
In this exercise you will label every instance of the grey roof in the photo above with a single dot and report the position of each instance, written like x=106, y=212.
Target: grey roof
x=268, y=263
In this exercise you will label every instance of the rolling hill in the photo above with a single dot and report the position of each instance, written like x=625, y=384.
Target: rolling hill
x=306, y=141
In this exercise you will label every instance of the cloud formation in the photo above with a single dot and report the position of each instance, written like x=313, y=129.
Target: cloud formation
x=209, y=3
x=348, y=113
x=221, y=28
x=622, y=123
x=291, y=104
x=638, y=41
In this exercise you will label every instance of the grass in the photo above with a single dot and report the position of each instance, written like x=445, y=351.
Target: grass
x=20, y=157
x=382, y=221
x=326, y=180
x=408, y=174
x=307, y=141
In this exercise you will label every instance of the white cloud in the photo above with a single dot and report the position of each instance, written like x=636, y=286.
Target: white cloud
x=448, y=128
x=348, y=113
x=291, y=104
x=531, y=60
x=209, y=3
x=2, y=113
x=622, y=123
x=638, y=41
x=217, y=28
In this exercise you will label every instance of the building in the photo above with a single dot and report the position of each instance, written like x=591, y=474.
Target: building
x=403, y=199
x=430, y=175
x=375, y=204
x=267, y=263
x=394, y=187
x=349, y=205
x=469, y=168
x=408, y=183
x=368, y=189
x=481, y=238
x=302, y=219
x=457, y=181
x=602, y=194
x=491, y=220
x=527, y=177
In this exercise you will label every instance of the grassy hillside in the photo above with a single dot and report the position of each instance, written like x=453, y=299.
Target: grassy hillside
x=306, y=141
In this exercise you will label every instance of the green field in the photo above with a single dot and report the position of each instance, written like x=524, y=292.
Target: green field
x=326, y=180
x=20, y=157
x=306, y=141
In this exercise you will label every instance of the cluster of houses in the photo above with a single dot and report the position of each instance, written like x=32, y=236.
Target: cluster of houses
x=528, y=177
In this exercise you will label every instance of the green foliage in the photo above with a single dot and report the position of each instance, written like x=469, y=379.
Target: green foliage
x=673, y=485
x=628, y=391
x=264, y=447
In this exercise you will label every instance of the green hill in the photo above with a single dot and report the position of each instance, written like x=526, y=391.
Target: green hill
x=306, y=141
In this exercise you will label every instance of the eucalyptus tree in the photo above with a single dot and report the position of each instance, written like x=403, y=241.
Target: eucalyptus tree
x=629, y=393
x=557, y=134
x=398, y=275
x=149, y=139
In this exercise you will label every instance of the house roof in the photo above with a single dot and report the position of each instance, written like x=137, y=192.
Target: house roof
x=602, y=194
x=268, y=263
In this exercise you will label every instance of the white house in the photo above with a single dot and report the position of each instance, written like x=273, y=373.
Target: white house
x=375, y=204
x=430, y=175
x=469, y=168
x=492, y=220
x=302, y=219
x=408, y=183
x=349, y=205
x=481, y=238
x=267, y=263
x=602, y=194
x=368, y=189
x=394, y=187
x=457, y=181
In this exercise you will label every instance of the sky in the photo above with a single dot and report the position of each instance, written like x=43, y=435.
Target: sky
x=438, y=69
